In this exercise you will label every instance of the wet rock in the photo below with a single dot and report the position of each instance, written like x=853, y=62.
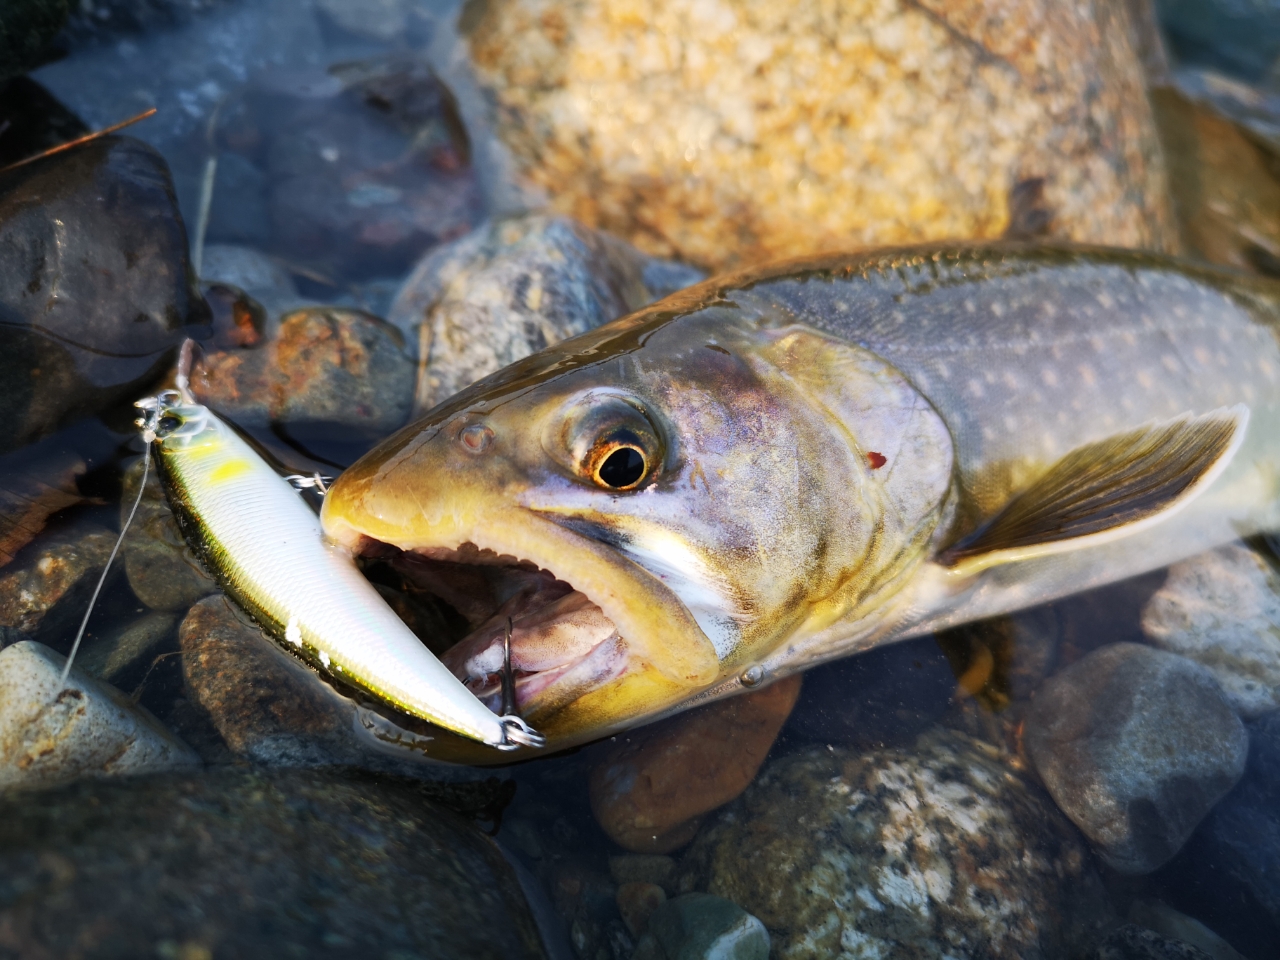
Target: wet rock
x=1169, y=923
x=36, y=120
x=1136, y=745
x=636, y=902
x=886, y=695
x=255, y=274
x=113, y=656
x=1132, y=942
x=266, y=705
x=512, y=287
x=653, y=868
x=51, y=735
x=1222, y=610
x=1224, y=191
x=650, y=791
x=698, y=926
x=725, y=133
x=95, y=287
x=366, y=165
x=27, y=27
x=100, y=20
x=46, y=598
x=939, y=851
x=384, y=20
x=34, y=485
x=1240, y=37
x=255, y=864
x=331, y=375
x=161, y=568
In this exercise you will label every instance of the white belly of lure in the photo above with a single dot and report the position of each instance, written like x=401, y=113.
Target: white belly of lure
x=264, y=544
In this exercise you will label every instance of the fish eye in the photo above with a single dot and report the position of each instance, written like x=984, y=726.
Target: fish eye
x=608, y=441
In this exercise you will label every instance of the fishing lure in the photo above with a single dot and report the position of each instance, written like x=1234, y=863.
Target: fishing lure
x=264, y=546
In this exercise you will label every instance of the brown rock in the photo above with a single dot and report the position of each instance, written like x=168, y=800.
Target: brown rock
x=162, y=571
x=725, y=131
x=46, y=598
x=650, y=792
x=636, y=903
x=32, y=491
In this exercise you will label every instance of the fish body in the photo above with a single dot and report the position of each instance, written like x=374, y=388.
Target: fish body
x=264, y=545
x=795, y=463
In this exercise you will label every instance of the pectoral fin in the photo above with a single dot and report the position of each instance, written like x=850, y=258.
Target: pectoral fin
x=1106, y=490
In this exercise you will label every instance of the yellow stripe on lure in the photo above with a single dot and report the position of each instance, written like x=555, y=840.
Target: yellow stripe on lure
x=264, y=545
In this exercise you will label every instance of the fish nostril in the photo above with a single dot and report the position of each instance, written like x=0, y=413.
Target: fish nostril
x=475, y=438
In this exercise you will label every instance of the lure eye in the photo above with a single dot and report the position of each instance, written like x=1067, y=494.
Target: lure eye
x=167, y=425
x=607, y=440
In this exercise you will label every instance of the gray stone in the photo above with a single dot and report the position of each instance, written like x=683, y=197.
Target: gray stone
x=1132, y=942
x=109, y=657
x=256, y=274
x=255, y=864
x=699, y=926
x=939, y=851
x=45, y=599
x=644, y=868
x=51, y=735
x=512, y=287
x=1169, y=923
x=1222, y=610
x=162, y=571
x=1136, y=745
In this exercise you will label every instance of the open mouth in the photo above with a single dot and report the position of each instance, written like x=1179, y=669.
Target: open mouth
x=461, y=602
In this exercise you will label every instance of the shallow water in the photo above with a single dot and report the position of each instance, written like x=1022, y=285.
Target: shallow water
x=921, y=744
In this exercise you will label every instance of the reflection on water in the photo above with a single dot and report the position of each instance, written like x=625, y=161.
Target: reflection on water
x=1106, y=766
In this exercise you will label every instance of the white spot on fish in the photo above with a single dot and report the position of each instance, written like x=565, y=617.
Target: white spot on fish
x=1087, y=374
x=1105, y=301
x=292, y=633
x=1266, y=369
x=970, y=306
x=1144, y=379
x=975, y=387
x=1097, y=344
x=1201, y=355
x=1129, y=338
x=1170, y=362
x=997, y=308
x=1010, y=380
x=1049, y=377
x=1011, y=423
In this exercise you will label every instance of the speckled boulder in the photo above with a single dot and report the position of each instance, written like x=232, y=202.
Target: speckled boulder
x=1136, y=745
x=728, y=131
x=512, y=287
x=45, y=598
x=1222, y=610
x=940, y=851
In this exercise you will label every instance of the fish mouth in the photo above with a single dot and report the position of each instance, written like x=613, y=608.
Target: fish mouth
x=562, y=643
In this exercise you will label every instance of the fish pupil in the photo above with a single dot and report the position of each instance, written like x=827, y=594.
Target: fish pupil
x=622, y=468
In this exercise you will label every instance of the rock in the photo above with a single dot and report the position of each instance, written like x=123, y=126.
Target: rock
x=36, y=120
x=96, y=21
x=1238, y=36
x=27, y=27
x=47, y=597
x=384, y=20
x=651, y=789
x=95, y=287
x=330, y=376
x=1225, y=195
x=36, y=484
x=698, y=926
x=51, y=735
x=366, y=165
x=887, y=695
x=652, y=868
x=161, y=568
x=736, y=131
x=1132, y=942
x=939, y=851
x=267, y=706
x=255, y=274
x=1136, y=745
x=526, y=283
x=1222, y=610
x=113, y=656
x=255, y=864
x=636, y=902
x=1169, y=923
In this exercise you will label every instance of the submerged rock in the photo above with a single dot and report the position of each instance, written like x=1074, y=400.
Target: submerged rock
x=941, y=851
x=34, y=485
x=95, y=285
x=1132, y=942
x=51, y=735
x=115, y=655
x=1136, y=745
x=26, y=30
x=1222, y=610
x=1169, y=923
x=36, y=120
x=161, y=568
x=512, y=287
x=650, y=791
x=722, y=133
x=255, y=864
x=698, y=926
x=46, y=598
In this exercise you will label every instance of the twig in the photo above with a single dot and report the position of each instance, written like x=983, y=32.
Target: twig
x=79, y=140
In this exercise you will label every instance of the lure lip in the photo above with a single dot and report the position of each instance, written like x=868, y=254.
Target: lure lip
x=461, y=712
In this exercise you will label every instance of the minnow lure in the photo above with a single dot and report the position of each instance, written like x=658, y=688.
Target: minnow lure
x=264, y=545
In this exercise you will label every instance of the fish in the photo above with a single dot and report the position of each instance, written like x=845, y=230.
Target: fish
x=263, y=544
x=802, y=461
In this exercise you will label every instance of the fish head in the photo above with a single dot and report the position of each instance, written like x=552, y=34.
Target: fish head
x=661, y=503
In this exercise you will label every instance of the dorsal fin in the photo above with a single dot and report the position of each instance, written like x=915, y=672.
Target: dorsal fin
x=1106, y=490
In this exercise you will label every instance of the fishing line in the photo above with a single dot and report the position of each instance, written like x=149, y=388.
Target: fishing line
x=142, y=486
